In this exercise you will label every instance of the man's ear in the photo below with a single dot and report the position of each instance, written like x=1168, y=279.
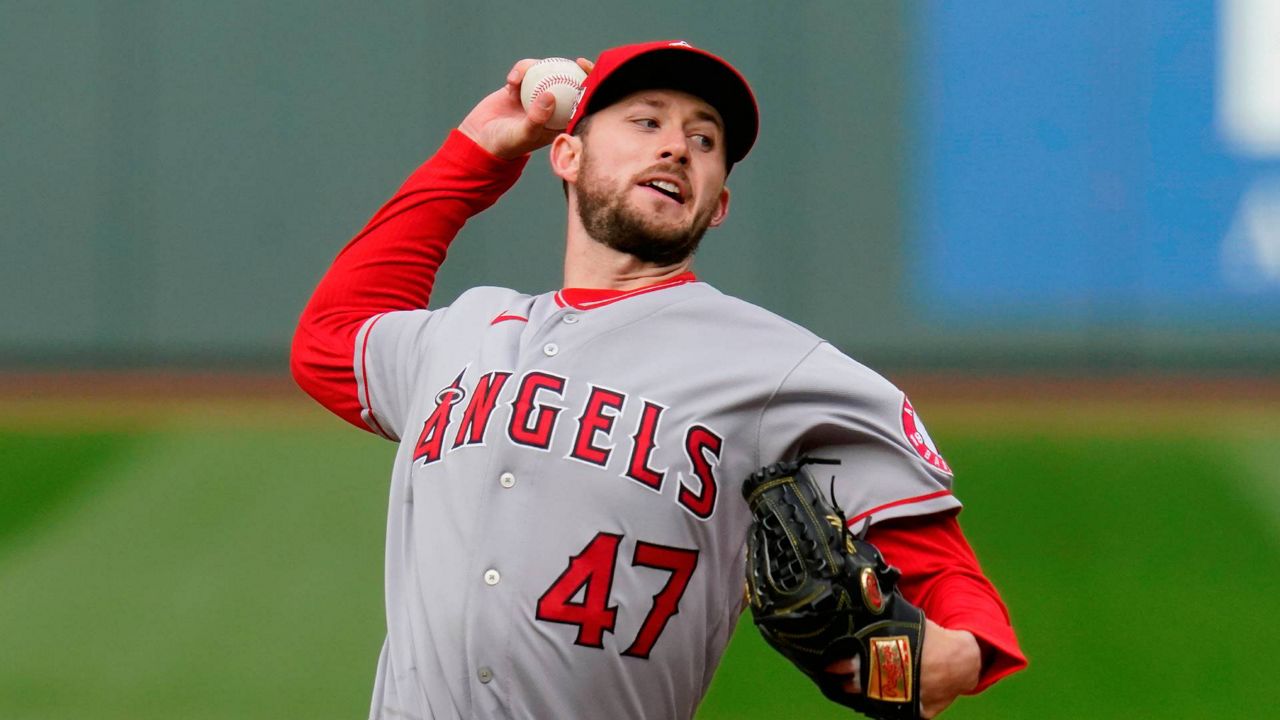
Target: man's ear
x=566, y=157
x=722, y=208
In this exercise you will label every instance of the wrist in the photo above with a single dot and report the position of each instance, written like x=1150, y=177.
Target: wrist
x=462, y=150
x=950, y=665
x=478, y=137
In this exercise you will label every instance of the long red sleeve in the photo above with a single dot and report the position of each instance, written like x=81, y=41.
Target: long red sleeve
x=941, y=575
x=391, y=265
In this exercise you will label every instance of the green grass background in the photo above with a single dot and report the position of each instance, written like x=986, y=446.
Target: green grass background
x=178, y=570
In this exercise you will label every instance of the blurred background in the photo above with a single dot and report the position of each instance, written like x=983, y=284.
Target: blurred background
x=1055, y=225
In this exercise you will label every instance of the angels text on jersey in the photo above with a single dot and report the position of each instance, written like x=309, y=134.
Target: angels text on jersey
x=533, y=413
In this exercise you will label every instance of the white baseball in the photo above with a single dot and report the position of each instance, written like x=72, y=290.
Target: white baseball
x=559, y=76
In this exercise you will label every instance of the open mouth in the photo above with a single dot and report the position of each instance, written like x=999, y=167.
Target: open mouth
x=669, y=189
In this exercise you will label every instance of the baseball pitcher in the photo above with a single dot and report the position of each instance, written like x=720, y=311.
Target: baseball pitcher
x=592, y=484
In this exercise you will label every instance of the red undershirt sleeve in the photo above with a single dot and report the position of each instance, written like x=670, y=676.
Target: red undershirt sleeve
x=391, y=265
x=941, y=575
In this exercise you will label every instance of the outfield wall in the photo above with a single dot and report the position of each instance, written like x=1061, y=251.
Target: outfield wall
x=936, y=185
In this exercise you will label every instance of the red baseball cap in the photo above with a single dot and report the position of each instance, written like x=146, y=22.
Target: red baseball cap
x=673, y=65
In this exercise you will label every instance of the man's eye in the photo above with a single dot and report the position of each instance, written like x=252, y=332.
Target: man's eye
x=705, y=142
x=649, y=123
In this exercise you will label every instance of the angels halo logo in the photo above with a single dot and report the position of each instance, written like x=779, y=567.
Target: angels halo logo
x=918, y=437
x=871, y=595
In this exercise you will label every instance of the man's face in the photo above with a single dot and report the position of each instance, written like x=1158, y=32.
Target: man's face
x=652, y=173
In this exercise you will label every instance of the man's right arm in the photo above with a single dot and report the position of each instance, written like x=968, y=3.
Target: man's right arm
x=391, y=264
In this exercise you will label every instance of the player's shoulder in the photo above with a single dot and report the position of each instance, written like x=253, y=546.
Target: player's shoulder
x=813, y=354
x=475, y=307
x=737, y=315
x=483, y=294
x=486, y=298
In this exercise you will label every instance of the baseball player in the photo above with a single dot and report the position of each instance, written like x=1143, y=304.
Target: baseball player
x=565, y=533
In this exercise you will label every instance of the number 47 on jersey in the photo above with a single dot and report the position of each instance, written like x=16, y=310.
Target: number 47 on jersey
x=589, y=577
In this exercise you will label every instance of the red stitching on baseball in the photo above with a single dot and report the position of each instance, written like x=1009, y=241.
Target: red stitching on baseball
x=550, y=80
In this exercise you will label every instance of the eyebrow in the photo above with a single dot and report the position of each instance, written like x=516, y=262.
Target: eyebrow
x=700, y=114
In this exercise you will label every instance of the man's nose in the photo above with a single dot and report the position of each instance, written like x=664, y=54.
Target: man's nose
x=675, y=149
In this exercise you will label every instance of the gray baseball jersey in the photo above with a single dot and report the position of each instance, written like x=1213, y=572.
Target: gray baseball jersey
x=565, y=534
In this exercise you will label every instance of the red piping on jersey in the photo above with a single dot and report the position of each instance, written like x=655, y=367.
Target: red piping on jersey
x=896, y=503
x=505, y=317
x=364, y=378
x=589, y=298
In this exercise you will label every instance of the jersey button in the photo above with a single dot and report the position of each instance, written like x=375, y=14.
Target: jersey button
x=485, y=675
x=550, y=349
x=506, y=480
x=570, y=319
x=491, y=577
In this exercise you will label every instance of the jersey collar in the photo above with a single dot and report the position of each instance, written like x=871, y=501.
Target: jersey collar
x=589, y=298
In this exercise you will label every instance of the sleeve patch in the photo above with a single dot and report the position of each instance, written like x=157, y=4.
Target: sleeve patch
x=918, y=437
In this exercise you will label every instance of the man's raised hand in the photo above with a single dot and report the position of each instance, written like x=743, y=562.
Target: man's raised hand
x=500, y=124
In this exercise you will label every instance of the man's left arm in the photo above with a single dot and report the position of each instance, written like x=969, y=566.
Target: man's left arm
x=890, y=474
x=975, y=642
x=969, y=642
x=854, y=618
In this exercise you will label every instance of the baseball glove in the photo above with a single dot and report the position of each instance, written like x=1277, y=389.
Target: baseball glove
x=819, y=594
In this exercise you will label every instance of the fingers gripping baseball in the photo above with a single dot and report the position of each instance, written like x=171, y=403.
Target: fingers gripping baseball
x=500, y=124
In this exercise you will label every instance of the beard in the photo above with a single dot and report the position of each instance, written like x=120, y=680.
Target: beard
x=611, y=222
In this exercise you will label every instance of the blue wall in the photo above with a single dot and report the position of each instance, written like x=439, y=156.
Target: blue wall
x=1072, y=171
